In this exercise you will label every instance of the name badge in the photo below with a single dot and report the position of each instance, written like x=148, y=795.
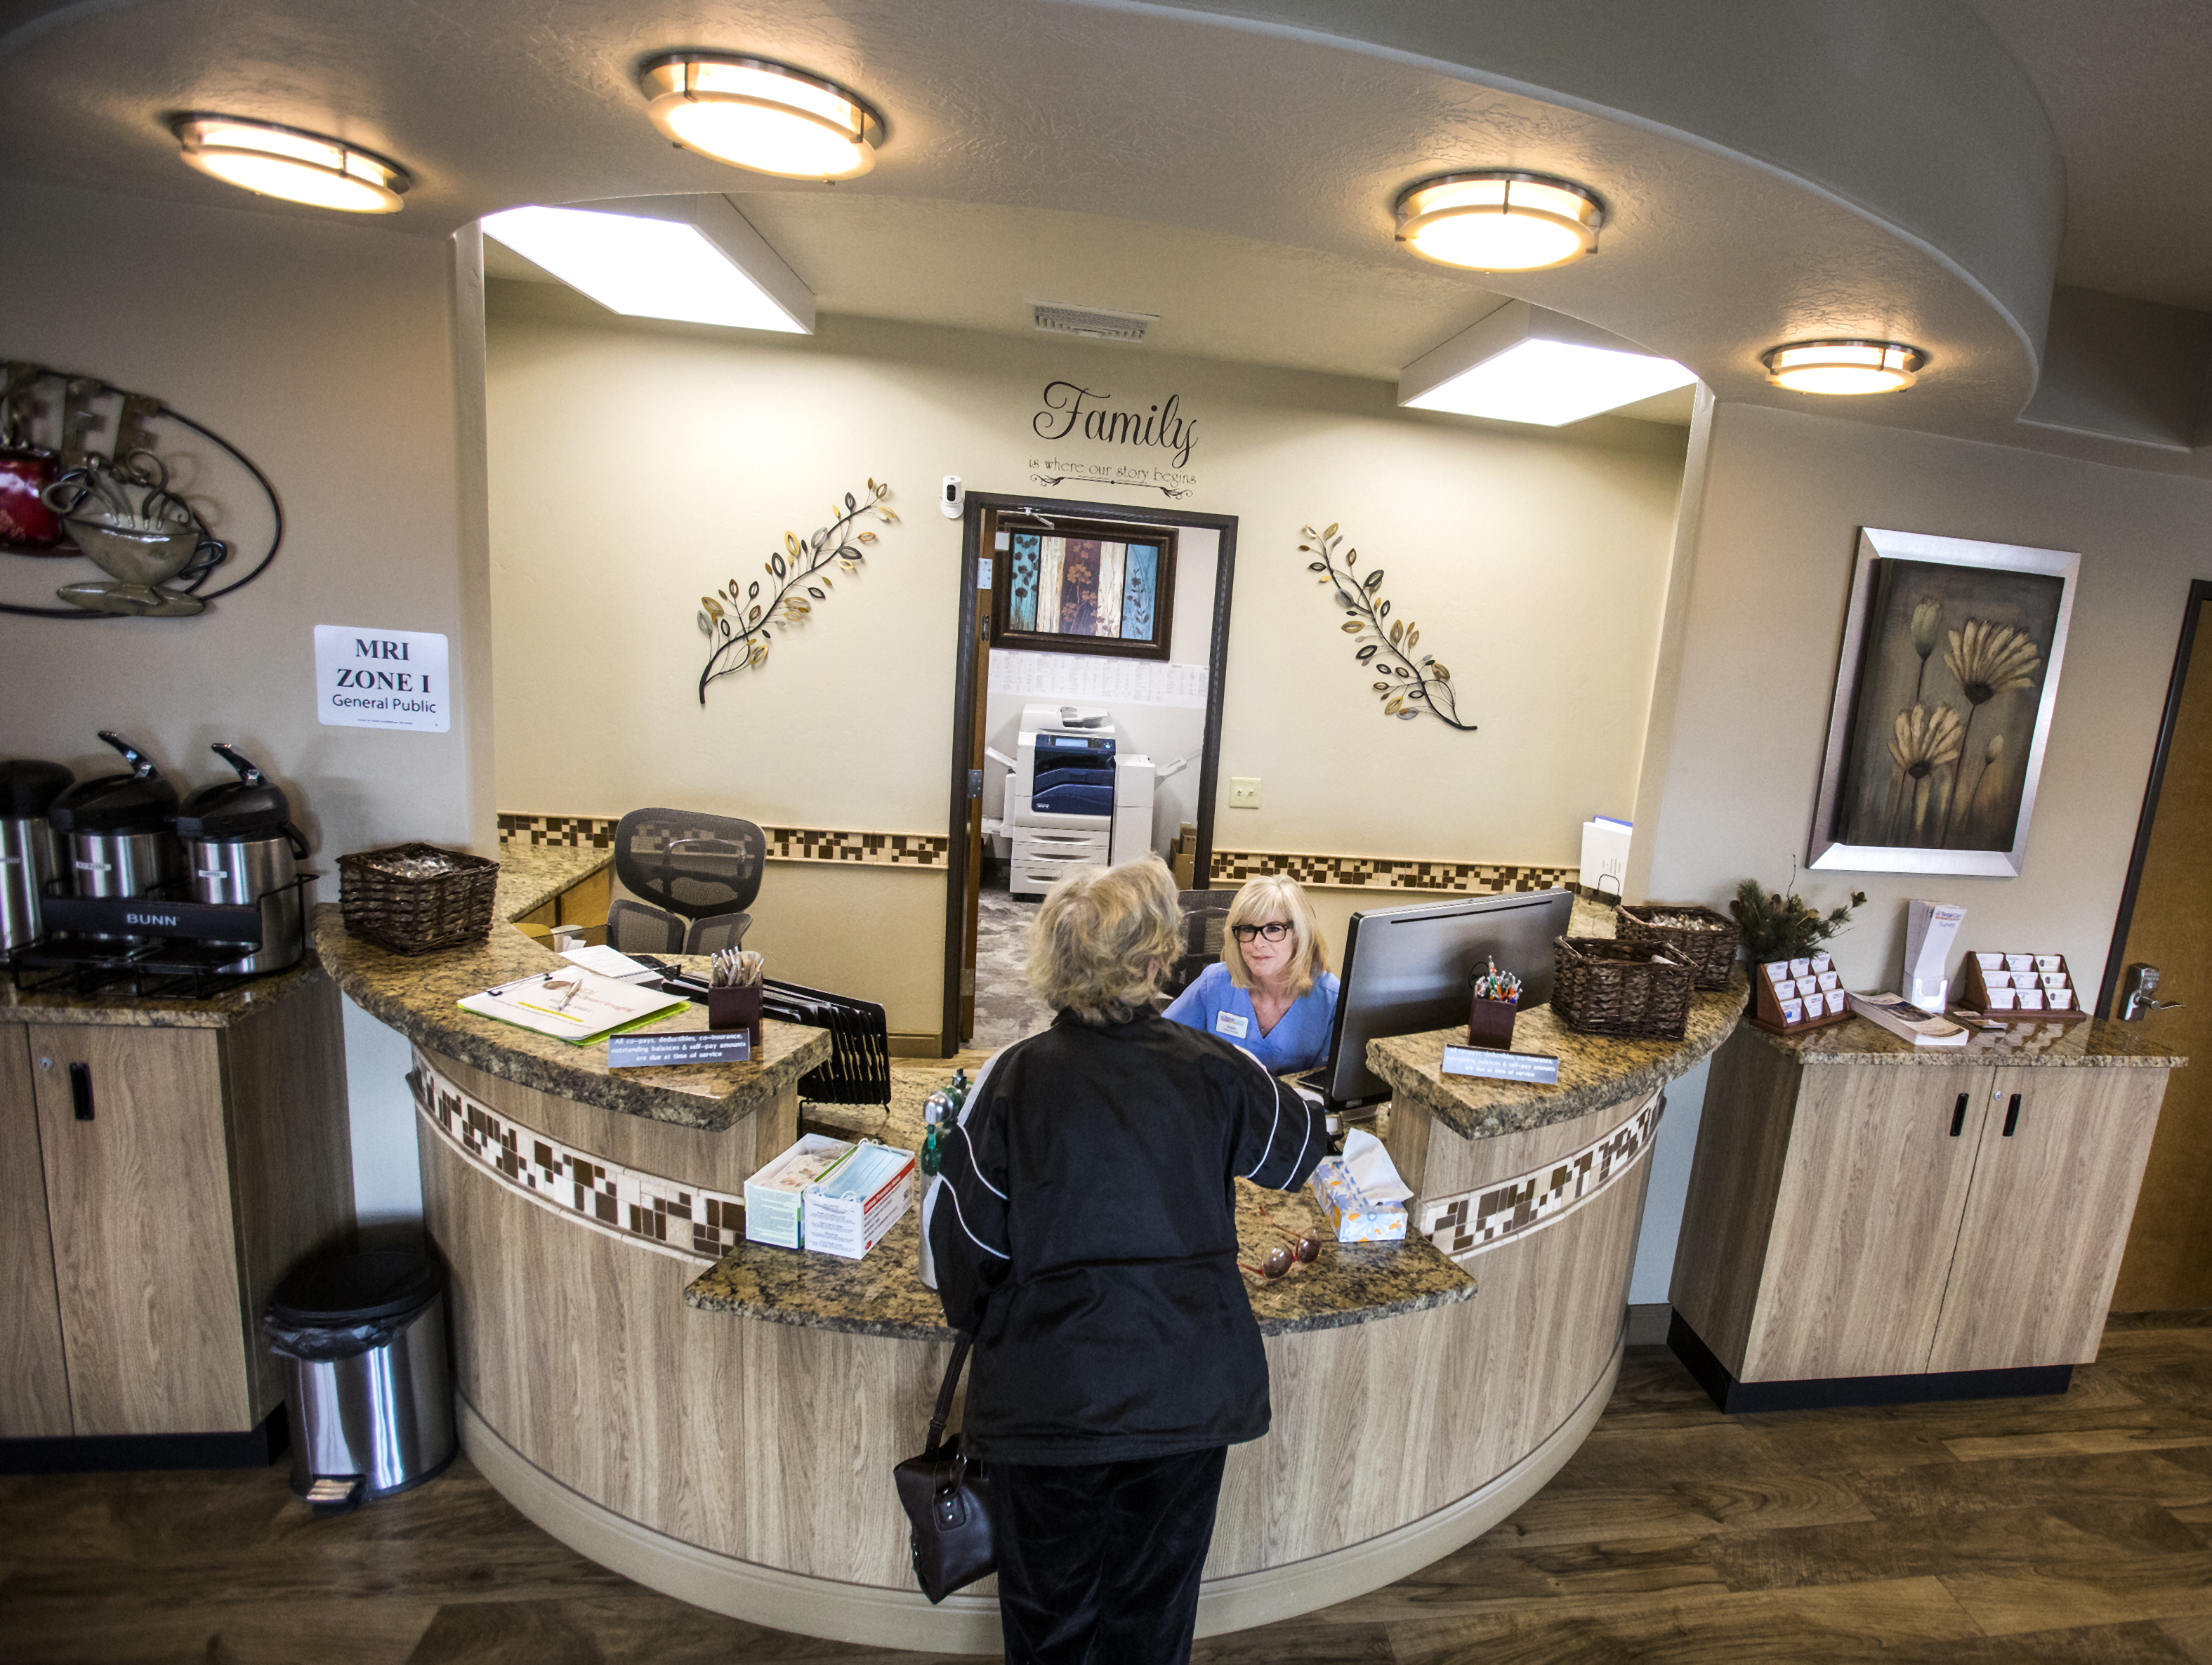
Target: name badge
x=1228, y=1023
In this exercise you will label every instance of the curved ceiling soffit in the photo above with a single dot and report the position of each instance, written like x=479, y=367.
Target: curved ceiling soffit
x=1909, y=111
x=1725, y=243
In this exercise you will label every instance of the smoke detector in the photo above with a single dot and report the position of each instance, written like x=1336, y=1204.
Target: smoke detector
x=1090, y=323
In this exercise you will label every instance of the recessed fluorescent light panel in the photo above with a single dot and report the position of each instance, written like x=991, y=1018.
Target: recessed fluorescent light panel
x=691, y=259
x=1525, y=364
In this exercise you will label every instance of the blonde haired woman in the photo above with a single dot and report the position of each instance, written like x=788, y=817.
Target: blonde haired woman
x=1272, y=993
x=1084, y=1231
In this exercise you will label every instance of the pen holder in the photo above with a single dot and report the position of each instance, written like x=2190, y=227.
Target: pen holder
x=1490, y=1024
x=735, y=1008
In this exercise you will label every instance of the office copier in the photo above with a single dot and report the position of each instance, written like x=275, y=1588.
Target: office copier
x=1073, y=797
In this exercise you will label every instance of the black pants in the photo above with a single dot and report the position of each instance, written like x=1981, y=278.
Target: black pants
x=1098, y=1564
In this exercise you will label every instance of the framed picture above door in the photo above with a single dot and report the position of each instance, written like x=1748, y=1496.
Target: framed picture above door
x=1063, y=586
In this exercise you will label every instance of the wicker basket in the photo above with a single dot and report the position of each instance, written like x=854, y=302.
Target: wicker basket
x=417, y=915
x=1706, y=940
x=1602, y=986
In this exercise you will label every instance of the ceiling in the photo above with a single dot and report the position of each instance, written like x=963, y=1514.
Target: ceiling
x=1925, y=170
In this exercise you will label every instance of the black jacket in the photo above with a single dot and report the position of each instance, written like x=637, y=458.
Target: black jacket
x=1085, y=1233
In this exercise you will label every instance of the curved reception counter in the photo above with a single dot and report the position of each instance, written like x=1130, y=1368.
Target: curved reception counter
x=719, y=1420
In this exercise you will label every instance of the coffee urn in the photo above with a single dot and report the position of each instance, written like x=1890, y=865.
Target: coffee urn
x=30, y=854
x=118, y=830
x=242, y=848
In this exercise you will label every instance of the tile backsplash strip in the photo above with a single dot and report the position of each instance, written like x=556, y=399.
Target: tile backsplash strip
x=872, y=849
x=883, y=849
x=1465, y=1224
x=660, y=1214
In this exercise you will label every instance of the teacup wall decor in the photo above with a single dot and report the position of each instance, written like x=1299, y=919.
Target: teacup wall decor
x=133, y=514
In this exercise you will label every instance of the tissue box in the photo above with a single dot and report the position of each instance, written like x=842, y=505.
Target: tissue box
x=1354, y=1217
x=776, y=1196
x=850, y=1208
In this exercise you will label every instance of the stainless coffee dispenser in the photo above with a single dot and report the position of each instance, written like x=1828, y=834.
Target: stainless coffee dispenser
x=117, y=828
x=242, y=849
x=30, y=854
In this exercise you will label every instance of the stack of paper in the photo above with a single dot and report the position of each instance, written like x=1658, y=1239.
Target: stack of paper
x=1908, y=1022
x=573, y=1004
x=850, y=1208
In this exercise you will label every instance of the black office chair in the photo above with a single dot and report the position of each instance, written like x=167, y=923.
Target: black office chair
x=696, y=874
x=1205, y=922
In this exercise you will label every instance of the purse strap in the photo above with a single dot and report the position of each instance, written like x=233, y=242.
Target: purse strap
x=960, y=1345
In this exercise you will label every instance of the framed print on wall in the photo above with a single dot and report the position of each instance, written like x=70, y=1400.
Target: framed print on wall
x=1082, y=588
x=1944, y=691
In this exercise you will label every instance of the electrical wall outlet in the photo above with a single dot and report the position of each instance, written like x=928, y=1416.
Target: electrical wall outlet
x=1244, y=792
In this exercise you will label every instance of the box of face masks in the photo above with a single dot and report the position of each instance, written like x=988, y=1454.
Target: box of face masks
x=776, y=1196
x=848, y=1209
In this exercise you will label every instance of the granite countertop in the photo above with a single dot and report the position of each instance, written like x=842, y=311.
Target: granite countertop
x=415, y=995
x=882, y=1294
x=1595, y=1070
x=531, y=875
x=112, y=1007
x=2045, y=1042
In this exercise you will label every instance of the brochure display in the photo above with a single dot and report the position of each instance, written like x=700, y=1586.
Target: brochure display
x=1791, y=995
x=2004, y=985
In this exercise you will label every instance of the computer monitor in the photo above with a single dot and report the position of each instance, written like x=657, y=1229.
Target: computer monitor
x=1406, y=971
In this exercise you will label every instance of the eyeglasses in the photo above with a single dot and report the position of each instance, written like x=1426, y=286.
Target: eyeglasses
x=1301, y=1250
x=1274, y=930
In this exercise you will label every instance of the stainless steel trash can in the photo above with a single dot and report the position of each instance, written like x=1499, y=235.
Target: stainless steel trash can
x=370, y=1394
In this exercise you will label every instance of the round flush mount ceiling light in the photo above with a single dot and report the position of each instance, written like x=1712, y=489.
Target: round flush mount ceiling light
x=299, y=166
x=768, y=117
x=1499, y=219
x=1843, y=366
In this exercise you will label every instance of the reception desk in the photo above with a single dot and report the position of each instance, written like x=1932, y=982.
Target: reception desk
x=719, y=1420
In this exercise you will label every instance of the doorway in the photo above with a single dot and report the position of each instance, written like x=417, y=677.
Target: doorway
x=1130, y=682
x=2165, y=921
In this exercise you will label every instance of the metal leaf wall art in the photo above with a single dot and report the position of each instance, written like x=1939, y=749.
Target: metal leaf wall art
x=742, y=619
x=1383, y=646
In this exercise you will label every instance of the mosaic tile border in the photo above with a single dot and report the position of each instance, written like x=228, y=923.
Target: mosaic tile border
x=682, y=1221
x=1473, y=1221
x=1370, y=873
x=871, y=849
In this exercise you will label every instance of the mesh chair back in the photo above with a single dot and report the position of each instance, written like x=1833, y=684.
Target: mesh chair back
x=860, y=1067
x=633, y=928
x=1205, y=922
x=712, y=936
x=698, y=866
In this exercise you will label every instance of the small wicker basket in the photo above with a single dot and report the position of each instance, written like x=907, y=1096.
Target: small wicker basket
x=1603, y=986
x=1698, y=934
x=417, y=915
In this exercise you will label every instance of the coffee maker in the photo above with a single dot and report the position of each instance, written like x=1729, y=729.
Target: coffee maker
x=117, y=829
x=242, y=850
x=30, y=853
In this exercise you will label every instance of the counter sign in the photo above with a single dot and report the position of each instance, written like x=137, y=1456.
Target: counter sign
x=374, y=678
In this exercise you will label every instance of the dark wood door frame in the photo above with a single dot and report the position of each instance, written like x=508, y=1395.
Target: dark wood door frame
x=2200, y=591
x=963, y=706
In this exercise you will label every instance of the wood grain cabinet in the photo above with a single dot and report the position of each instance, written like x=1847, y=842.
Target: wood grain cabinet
x=1882, y=1232
x=155, y=1183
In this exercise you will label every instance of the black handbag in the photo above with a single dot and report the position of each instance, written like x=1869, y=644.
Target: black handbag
x=947, y=1498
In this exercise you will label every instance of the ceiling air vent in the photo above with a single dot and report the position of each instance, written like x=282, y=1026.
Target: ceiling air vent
x=1091, y=322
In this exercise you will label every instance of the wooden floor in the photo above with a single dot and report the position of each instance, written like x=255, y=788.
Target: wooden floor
x=2077, y=1530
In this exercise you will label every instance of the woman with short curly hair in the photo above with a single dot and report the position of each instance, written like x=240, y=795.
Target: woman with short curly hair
x=1084, y=1234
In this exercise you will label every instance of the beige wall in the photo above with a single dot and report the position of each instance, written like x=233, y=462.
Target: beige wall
x=1785, y=496
x=635, y=466
x=335, y=355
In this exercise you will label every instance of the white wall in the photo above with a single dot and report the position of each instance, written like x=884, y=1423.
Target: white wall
x=327, y=352
x=1738, y=740
x=636, y=464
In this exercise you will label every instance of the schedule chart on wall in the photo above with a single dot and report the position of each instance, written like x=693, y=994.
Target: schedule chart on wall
x=1125, y=682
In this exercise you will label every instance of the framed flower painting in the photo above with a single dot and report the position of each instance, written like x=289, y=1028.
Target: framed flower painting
x=1079, y=587
x=1944, y=691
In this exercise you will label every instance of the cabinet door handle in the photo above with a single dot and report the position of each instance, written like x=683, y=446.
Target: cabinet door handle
x=1959, y=1115
x=2011, y=1115
x=80, y=1090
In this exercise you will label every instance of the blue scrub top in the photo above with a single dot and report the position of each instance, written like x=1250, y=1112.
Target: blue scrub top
x=1299, y=1039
